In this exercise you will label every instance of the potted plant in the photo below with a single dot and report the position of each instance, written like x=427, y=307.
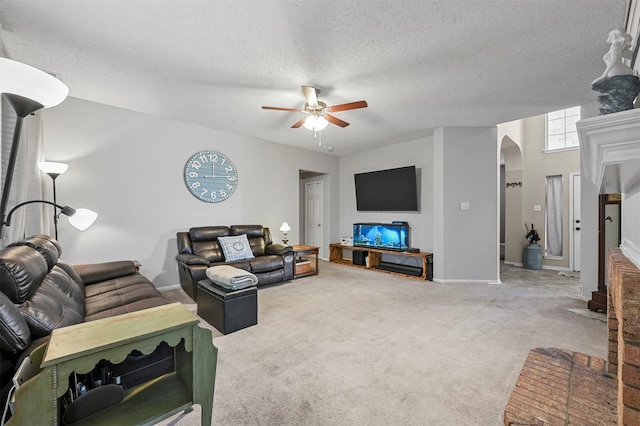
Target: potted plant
x=532, y=234
x=532, y=254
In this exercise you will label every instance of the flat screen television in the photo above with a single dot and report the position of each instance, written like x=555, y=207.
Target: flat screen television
x=387, y=190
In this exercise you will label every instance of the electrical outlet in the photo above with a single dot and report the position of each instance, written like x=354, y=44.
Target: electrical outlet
x=464, y=205
x=537, y=208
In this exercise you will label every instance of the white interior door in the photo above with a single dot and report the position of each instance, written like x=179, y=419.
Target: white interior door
x=313, y=213
x=575, y=222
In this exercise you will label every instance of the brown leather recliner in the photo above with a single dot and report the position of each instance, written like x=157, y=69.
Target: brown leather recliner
x=199, y=249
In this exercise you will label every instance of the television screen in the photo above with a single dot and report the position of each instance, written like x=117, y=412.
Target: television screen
x=387, y=190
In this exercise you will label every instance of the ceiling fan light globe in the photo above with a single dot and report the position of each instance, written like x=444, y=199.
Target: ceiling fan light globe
x=315, y=123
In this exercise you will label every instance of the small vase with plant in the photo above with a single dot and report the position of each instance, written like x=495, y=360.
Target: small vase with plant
x=532, y=234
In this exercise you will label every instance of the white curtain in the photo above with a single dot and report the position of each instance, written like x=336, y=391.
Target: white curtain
x=553, y=229
x=27, y=183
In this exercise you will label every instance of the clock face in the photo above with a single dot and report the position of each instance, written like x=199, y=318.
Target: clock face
x=211, y=176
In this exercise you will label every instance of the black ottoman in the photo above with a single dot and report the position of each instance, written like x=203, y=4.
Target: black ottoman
x=227, y=310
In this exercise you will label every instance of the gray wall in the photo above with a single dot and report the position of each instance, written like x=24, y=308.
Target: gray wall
x=466, y=171
x=414, y=153
x=128, y=167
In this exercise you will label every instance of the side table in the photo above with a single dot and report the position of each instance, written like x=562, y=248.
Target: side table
x=80, y=347
x=306, y=260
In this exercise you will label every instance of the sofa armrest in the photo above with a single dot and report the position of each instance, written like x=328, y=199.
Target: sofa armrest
x=277, y=248
x=98, y=272
x=191, y=259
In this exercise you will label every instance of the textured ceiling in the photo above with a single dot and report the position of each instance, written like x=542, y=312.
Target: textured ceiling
x=418, y=64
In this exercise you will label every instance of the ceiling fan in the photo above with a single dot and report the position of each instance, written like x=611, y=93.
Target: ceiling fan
x=317, y=112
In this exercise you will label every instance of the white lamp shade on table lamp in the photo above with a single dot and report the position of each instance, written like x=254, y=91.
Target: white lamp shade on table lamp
x=285, y=227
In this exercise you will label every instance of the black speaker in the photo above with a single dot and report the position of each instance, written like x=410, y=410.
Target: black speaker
x=360, y=257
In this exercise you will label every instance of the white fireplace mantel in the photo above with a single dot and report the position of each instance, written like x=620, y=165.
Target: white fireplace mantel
x=610, y=151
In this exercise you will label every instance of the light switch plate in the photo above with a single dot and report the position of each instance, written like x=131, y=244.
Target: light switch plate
x=537, y=208
x=464, y=205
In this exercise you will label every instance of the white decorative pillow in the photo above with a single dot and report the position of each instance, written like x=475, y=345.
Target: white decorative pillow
x=235, y=248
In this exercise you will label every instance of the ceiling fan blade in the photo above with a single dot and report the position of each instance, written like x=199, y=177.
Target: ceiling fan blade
x=336, y=121
x=299, y=123
x=311, y=95
x=347, y=106
x=282, y=109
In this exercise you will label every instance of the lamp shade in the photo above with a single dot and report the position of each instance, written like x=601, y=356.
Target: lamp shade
x=315, y=123
x=31, y=83
x=54, y=168
x=83, y=218
x=285, y=227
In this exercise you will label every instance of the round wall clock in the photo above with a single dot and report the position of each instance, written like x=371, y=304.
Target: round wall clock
x=211, y=176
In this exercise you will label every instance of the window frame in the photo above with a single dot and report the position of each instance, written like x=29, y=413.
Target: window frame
x=548, y=150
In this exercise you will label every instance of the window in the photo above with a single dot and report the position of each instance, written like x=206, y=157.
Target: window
x=561, y=129
x=553, y=217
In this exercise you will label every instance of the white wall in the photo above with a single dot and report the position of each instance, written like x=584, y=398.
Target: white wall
x=418, y=153
x=537, y=166
x=631, y=222
x=589, y=220
x=128, y=167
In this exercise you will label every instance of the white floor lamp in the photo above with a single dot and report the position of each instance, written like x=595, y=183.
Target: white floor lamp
x=27, y=89
x=54, y=170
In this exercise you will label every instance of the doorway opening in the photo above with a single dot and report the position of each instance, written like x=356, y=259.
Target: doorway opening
x=313, y=217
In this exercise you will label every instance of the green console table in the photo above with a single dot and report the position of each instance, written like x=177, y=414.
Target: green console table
x=80, y=347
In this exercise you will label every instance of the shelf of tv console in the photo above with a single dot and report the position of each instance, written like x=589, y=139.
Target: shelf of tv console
x=375, y=264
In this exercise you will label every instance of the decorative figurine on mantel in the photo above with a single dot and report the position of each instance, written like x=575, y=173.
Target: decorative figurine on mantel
x=617, y=84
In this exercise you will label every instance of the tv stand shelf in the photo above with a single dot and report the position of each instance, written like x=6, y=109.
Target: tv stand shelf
x=375, y=263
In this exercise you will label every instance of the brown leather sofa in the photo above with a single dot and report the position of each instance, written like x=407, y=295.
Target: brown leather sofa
x=199, y=249
x=39, y=293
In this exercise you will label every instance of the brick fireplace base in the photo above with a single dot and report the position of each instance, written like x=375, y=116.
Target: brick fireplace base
x=560, y=387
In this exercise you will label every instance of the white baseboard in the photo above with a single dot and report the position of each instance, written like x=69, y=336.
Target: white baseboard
x=454, y=281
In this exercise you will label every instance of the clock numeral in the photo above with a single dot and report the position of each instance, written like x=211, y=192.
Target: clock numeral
x=229, y=186
x=204, y=191
x=228, y=169
x=213, y=157
x=196, y=164
x=195, y=185
x=224, y=194
x=193, y=175
x=231, y=178
x=213, y=195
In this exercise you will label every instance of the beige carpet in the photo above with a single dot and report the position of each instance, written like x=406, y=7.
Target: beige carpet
x=356, y=347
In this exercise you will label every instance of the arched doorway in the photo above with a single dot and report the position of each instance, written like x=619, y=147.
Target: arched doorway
x=512, y=228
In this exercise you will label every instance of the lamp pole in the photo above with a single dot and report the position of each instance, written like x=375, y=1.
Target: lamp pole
x=54, y=170
x=55, y=201
x=27, y=89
